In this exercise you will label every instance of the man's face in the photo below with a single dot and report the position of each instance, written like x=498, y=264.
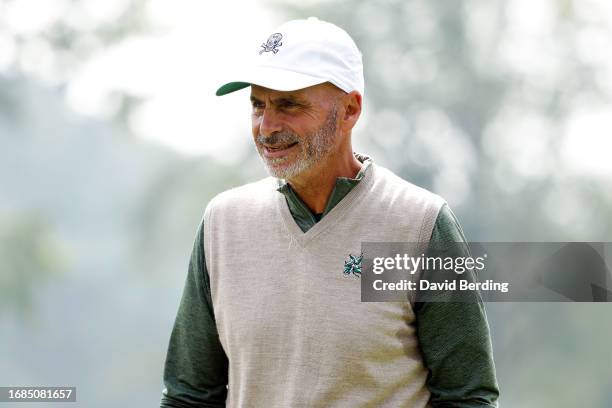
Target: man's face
x=294, y=130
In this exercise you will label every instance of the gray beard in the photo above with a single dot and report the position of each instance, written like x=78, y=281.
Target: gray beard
x=314, y=147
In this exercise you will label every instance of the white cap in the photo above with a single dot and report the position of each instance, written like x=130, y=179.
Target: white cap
x=302, y=53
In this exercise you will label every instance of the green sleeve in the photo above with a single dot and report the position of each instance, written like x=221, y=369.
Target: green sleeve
x=454, y=336
x=195, y=373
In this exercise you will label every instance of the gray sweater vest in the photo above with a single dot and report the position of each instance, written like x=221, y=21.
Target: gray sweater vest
x=291, y=323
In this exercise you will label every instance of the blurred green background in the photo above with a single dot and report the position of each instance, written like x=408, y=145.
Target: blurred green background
x=112, y=143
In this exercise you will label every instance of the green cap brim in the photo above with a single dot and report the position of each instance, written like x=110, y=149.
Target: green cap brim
x=231, y=87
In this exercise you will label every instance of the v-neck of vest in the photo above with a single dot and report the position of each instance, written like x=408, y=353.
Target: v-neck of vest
x=331, y=218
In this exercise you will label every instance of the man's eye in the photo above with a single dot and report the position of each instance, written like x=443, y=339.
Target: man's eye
x=289, y=105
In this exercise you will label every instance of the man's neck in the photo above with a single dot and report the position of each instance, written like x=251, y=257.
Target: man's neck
x=316, y=185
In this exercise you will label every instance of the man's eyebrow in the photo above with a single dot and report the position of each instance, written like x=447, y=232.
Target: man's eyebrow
x=283, y=100
x=289, y=99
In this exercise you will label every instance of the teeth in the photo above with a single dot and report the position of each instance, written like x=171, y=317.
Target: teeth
x=280, y=147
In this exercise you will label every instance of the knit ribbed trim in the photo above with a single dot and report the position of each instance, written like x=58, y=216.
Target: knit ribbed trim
x=332, y=218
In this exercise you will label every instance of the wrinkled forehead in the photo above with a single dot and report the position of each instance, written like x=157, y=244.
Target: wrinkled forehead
x=262, y=93
x=320, y=92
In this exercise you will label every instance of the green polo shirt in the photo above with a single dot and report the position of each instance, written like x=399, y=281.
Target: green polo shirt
x=453, y=336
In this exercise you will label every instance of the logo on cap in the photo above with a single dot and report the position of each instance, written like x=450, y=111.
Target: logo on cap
x=274, y=41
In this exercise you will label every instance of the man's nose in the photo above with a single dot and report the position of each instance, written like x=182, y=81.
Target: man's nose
x=270, y=123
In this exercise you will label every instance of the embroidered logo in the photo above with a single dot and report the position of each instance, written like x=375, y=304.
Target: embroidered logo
x=353, y=265
x=274, y=41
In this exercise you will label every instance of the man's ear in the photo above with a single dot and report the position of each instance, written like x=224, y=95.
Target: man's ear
x=352, y=110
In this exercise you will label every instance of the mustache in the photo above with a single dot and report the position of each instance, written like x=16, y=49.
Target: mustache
x=283, y=138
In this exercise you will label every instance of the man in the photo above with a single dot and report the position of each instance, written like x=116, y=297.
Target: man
x=267, y=317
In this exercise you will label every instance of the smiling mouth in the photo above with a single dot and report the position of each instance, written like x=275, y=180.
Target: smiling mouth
x=276, y=151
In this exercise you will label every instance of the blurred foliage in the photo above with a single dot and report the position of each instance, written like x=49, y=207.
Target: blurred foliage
x=29, y=257
x=173, y=204
x=95, y=233
x=70, y=40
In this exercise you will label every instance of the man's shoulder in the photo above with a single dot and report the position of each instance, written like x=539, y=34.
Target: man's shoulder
x=397, y=186
x=245, y=195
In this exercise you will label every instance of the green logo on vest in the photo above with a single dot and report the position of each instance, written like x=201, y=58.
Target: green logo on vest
x=353, y=265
